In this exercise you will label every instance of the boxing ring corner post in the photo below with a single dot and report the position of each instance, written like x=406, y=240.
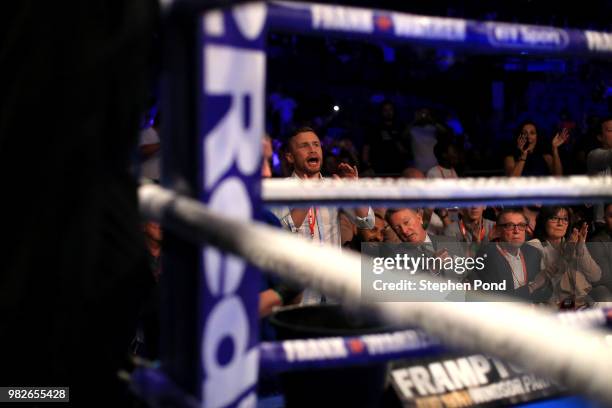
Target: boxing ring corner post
x=213, y=107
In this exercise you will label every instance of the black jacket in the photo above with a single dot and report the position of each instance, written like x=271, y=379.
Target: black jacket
x=498, y=270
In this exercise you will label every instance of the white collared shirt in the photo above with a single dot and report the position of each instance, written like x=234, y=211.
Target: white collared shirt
x=326, y=226
x=326, y=231
x=517, y=266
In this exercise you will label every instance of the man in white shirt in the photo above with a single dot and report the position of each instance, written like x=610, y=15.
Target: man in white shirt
x=320, y=224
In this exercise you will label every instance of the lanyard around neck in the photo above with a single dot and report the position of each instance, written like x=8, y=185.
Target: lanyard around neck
x=463, y=230
x=312, y=220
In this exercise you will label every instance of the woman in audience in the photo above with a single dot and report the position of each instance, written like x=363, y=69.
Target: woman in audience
x=566, y=261
x=531, y=158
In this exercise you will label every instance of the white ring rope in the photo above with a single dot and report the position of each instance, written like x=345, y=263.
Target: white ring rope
x=514, y=332
x=574, y=188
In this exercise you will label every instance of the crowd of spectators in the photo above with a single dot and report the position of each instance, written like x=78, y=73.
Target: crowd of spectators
x=431, y=148
x=558, y=256
x=565, y=269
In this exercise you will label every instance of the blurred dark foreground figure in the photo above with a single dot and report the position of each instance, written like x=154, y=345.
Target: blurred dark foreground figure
x=74, y=271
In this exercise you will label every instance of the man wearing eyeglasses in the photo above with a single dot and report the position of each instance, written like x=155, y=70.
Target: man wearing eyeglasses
x=512, y=261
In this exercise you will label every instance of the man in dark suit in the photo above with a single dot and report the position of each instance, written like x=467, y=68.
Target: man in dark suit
x=408, y=225
x=511, y=260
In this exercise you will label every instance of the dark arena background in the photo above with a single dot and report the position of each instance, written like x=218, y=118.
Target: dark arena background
x=284, y=204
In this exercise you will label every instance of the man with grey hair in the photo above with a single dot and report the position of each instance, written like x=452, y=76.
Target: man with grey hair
x=408, y=225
